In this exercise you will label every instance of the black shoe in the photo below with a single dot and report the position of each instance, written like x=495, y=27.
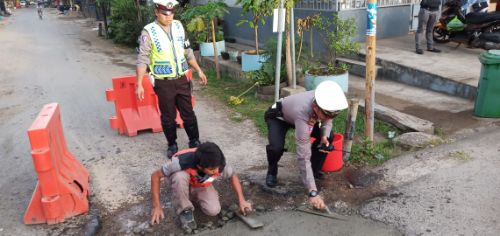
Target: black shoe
x=319, y=175
x=434, y=50
x=271, y=181
x=419, y=51
x=172, y=149
x=187, y=220
x=194, y=143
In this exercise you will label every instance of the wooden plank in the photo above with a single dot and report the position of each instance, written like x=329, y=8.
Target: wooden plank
x=403, y=121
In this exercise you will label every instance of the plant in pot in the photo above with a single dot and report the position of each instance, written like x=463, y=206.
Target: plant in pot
x=264, y=77
x=337, y=35
x=199, y=25
x=203, y=18
x=252, y=60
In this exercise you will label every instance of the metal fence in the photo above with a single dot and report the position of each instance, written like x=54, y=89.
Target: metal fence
x=328, y=5
x=334, y=5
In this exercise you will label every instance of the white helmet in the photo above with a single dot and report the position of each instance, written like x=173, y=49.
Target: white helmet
x=165, y=4
x=330, y=97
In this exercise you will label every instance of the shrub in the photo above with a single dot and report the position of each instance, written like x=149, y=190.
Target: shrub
x=125, y=26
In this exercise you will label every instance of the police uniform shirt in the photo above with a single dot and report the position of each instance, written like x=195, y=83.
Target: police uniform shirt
x=298, y=110
x=145, y=47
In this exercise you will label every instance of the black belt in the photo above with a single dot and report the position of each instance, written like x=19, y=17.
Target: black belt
x=273, y=113
x=171, y=78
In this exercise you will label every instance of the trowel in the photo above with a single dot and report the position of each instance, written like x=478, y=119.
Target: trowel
x=251, y=222
x=327, y=213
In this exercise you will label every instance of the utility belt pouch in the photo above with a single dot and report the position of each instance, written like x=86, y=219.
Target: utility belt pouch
x=273, y=112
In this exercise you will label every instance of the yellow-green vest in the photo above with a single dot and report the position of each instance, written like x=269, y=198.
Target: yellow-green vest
x=167, y=58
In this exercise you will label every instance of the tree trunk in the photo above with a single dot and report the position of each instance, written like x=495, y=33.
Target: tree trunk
x=256, y=29
x=288, y=49
x=139, y=15
x=105, y=18
x=216, y=52
x=311, y=41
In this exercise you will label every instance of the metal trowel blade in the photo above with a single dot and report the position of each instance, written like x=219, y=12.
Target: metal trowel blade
x=251, y=222
x=327, y=214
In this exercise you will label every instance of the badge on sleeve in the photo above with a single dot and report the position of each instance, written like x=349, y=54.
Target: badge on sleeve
x=144, y=38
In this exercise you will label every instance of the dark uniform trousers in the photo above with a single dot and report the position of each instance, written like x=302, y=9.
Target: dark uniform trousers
x=172, y=95
x=277, y=130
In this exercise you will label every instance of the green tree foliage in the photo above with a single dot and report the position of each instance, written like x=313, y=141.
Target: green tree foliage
x=337, y=35
x=198, y=18
x=259, y=10
x=125, y=27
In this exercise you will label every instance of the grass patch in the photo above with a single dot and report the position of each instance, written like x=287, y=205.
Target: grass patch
x=362, y=153
x=460, y=155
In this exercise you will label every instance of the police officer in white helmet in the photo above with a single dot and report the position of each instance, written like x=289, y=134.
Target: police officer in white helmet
x=310, y=114
x=165, y=50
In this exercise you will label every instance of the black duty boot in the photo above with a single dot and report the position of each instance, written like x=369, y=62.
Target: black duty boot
x=187, y=220
x=171, y=150
x=317, y=160
x=194, y=143
x=273, y=158
x=271, y=180
x=191, y=128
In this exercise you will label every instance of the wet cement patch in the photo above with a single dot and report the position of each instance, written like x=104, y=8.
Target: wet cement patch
x=343, y=191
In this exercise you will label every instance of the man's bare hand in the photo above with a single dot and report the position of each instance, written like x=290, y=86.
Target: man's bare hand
x=324, y=140
x=139, y=92
x=203, y=78
x=156, y=215
x=317, y=202
x=245, y=207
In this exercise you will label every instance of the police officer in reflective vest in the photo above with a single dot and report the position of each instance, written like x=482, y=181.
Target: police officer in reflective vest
x=165, y=50
x=310, y=114
x=191, y=174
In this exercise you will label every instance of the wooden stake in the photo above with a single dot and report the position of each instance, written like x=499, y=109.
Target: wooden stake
x=370, y=68
x=350, y=127
x=216, y=52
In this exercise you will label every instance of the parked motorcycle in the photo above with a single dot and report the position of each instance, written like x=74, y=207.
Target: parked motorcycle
x=476, y=29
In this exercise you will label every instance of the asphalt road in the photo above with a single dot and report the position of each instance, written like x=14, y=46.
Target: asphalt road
x=59, y=59
x=451, y=189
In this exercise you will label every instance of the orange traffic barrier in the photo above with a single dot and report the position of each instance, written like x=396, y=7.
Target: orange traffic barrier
x=133, y=115
x=63, y=182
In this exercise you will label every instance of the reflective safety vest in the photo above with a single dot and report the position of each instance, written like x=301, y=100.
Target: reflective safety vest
x=200, y=181
x=167, y=55
x=195, y=180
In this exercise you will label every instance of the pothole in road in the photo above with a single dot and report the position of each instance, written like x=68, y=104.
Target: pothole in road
x=343, y=191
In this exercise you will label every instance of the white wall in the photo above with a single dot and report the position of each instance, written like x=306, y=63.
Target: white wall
x=230, y=3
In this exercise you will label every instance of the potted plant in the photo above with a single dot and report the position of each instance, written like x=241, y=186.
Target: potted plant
x=337, y=35
x=199, y=20
x=252, y=59
x=264, y=77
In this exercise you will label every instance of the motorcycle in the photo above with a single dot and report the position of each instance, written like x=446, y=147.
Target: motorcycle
x=476, y=29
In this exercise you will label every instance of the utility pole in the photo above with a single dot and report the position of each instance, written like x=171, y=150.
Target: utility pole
x=371, y=32
x=277, y=75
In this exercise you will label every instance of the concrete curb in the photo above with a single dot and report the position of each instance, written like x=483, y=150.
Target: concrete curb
x=411, y=76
